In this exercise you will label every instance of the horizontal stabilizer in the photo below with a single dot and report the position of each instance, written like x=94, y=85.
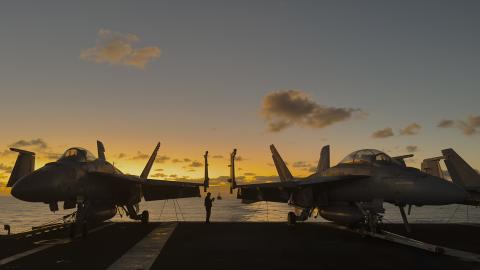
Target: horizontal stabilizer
x=24, y=165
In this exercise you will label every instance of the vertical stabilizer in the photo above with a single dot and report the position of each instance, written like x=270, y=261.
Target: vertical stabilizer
x=24, y=165
x=460, y=171
x=324, y=161
x=101, y=150
x=206, y=180
x=432, y=166
x=282, y=169
x=233, y=183
x=148, y=167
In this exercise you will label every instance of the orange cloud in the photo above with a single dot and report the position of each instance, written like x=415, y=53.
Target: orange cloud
x=116, y=48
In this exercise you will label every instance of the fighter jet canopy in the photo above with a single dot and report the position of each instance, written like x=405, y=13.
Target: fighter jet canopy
x=77, y=154
x=368, y=156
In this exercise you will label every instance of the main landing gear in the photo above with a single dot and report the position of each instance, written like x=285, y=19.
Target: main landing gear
x=132, y=213
x=145, y=216
x=292, y=217
x=80, y=223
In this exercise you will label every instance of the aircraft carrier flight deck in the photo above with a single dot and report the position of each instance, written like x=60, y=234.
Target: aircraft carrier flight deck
x=246, y=245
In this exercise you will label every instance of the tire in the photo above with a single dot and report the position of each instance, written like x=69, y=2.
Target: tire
x=291, y=218
x=145, y=216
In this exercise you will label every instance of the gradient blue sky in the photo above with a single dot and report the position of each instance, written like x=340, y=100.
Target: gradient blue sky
x=401, y=62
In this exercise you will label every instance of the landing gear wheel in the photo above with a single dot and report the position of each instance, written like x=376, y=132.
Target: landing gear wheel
x=291, y=218
x=145, y=216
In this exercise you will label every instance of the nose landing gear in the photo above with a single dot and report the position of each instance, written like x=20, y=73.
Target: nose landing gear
x=145, y=216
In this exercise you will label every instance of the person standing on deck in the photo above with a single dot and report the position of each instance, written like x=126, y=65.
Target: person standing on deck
x=208, y=206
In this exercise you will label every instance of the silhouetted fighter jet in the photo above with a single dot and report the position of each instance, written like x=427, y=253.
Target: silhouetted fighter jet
x=92, y=185
x=353, y=191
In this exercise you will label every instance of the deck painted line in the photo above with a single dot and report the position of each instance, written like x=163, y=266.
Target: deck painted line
x=45, y=246
x=399, y=239
x=145, y=252
x=23, y=254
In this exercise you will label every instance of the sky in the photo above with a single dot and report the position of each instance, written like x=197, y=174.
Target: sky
x=399, y=76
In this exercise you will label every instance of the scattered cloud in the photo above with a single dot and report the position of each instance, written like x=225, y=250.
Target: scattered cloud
x=217, y=156
x=176, y=160
x=156, y=175
x=411, y=148
x=117, y=48
x=52, y=155
x=5, y=168
x=445, y=123
x=469, y=126
x=140, y=156
x=383, y=133
x=195, y=164
x=34, y=143
x=186, y=160
x=159, y=170
x=249, y=174
x=162, y=159
x=39, y=146
x=270, y=178
x=300, y=164
x=6, y=152
x=239, y=158
x=282, y=109
x=412, y=129
x=121, y=155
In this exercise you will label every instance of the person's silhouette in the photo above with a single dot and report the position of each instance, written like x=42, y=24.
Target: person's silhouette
x=208, y=206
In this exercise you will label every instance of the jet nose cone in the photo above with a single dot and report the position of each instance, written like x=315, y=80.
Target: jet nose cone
x=26, y=189
x=18, y=191
x=39, y=186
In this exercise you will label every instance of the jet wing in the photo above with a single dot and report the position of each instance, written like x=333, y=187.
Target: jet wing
x=281, y=191
x=152, y=189
x=162, y=189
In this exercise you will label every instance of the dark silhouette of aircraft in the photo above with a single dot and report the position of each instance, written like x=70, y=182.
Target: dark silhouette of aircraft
x=93, y=185
x=353, y=191
x=460, y=172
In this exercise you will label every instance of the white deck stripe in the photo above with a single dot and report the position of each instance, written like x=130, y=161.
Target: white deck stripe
x=143, y=254
x=44, y=246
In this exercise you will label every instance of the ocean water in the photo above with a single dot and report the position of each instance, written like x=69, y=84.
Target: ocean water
x=22, y=216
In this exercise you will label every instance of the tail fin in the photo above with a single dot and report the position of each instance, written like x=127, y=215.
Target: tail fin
x=101, y=150
x=460, y=172
x=24, y=165
x=206, y=181
x=233, y=183
x=148, y=167
x=432, y=166
x=282, y=169
x=324, y=161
